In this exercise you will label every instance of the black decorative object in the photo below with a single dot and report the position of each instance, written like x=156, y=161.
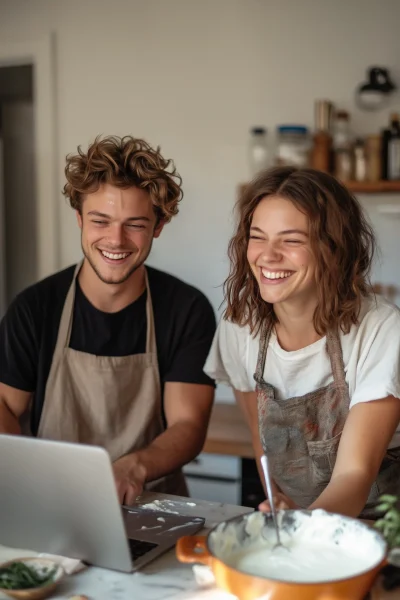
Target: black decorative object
x=374, y=93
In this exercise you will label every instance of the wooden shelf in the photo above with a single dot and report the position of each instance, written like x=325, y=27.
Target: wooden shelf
x=362, y=187
x=373, y=187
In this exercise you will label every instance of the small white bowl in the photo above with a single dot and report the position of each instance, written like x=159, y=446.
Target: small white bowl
x=36, y=593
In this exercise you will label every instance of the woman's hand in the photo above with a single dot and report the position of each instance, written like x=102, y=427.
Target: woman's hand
x=281, y=501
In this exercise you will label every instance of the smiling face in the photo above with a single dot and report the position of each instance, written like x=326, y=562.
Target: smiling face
x=118, y=227
x=279, y=252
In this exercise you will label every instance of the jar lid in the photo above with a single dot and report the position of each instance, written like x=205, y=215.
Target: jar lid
x=296, y=129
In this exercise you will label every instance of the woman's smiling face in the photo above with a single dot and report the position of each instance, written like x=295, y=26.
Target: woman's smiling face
x=279, y=252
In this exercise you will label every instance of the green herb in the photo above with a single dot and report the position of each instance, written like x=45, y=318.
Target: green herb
x=389, y=524
x=19, y=576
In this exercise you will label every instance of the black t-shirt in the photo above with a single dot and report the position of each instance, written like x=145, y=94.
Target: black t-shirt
x=183, y=317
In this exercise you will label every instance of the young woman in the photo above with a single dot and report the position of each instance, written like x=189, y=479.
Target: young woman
x=312, y=354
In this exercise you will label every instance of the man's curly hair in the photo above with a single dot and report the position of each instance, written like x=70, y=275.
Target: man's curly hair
x=124, y=162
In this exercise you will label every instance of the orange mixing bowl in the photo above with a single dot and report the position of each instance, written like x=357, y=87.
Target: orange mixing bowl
x=216, y=551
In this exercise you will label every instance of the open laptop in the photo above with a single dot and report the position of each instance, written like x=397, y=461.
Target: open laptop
x=60, y=498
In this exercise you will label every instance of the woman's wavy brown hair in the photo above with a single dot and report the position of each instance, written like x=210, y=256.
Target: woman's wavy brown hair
x=124, y=162
x=341, y=239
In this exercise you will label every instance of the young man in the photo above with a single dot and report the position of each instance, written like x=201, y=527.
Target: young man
x=110, y=352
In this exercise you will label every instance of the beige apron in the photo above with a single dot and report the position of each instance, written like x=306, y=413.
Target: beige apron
x=301, y=435
x=109, y=401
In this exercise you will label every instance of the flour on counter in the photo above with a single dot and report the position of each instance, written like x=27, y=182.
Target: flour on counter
x=166, y=506
x=181, y=526
x=159, y=505
x=161, y=519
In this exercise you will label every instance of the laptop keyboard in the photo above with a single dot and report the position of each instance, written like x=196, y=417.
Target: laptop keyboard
x=138, y=548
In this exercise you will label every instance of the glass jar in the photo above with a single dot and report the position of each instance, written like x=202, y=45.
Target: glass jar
x=342, y=137
x=259, y=155
x=344, y=164
x=294, y=146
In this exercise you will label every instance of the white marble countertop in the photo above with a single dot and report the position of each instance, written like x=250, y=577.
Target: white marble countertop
x=164, y=578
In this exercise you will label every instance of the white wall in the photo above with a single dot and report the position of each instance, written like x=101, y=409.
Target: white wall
x=193, y=76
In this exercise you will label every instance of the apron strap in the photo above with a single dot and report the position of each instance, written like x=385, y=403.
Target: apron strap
x=334, y=350
x=65, y=327
x=151, y=343
x=265, y=335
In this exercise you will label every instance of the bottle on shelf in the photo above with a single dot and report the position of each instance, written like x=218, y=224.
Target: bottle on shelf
x=360, y=161
x=321, y=151
x=322, y=139
x=384, y=153
x=259, y=155
x=373, y=157
x=393, y=148
x=343, y=163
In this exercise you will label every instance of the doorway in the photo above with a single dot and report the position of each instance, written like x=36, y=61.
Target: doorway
x=19, y=203
x=28, y=164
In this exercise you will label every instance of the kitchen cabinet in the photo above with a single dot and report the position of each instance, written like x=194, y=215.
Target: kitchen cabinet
x=215, y=478
x=227, y=479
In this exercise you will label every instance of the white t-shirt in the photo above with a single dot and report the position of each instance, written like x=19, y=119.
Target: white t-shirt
x=371, y=356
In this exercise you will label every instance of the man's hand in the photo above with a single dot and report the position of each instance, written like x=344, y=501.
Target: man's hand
x=130, y=476
x=281, y=501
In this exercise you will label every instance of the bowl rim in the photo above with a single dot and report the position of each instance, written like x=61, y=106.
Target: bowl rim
x=379, y=564
x=60, y=573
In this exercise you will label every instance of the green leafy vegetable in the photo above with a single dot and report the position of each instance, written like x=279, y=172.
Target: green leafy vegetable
x=19, y=576
x=389, y=524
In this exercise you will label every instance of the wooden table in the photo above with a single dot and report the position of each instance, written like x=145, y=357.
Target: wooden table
x=163, y=578
x=378, y=593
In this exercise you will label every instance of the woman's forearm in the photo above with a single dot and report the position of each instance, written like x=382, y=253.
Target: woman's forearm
x=345, y=494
